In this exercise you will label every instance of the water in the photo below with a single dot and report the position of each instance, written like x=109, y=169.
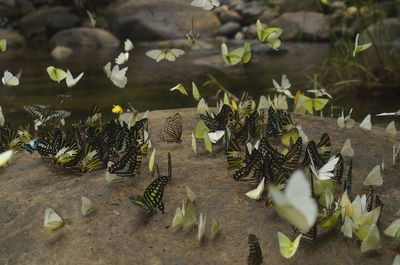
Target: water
x=149, y=82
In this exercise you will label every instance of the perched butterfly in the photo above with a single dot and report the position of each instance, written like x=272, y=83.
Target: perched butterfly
x=92, y=19
x=347, y=121
x=391, y=129
x=122, y=58
x=279, y=122
x=206, y=4
x=374, y=177
x=338, y=170
x=5, y=157
x=370, y=198
x=348, y=181
x=217, y=122
x=366, y=123
x=255, y=254
x=128, y=165
x=172, y=131
x=152, y=196
x=287, y=247
x=128, y=45
x=168, y=54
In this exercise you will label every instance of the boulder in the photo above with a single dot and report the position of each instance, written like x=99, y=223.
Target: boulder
x=226, y=15
x=118, y=232
x=34, y=25
x=302, y=26
x=229, y=29
x=14, y=39
x=61, y=20
x=81, y=37
x=252, y=10
x=158, y=20
x=296, y=5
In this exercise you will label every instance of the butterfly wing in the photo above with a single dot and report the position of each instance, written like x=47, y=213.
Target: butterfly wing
x=172, y=131
x=154, y=192
x=255, y=253
x=141, y=202
x=157, y=55
x=126, y=166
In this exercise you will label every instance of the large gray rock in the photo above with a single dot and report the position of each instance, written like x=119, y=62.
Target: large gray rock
x=229, y=29
x=227, y=15
x=157, y=20
x=34, y=25
x=252, y=11
x=61, y=20
x=302, y=26
x=14, y=39
x=296, y=5
x=84, y=36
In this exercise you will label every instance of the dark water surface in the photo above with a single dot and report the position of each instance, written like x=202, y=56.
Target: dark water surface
x=149, y=82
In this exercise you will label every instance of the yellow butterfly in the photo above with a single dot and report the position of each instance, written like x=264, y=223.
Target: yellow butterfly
x=239, y=55
x=168, y=54
x=360, y=47
x=304, y=104
x=269, y=35
x=56, y=74
x=180, y=88
x=287, y=247
x=3, y=45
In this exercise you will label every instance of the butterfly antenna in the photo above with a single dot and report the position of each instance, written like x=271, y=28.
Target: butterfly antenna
x=169, y=166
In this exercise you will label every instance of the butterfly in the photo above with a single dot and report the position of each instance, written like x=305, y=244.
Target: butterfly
x=205, y=4
x=3, y=45
x=366, y=123
x=217, y=122
x=152, y=196
x=391, y=129
x=279, y=122
x=128, y=165
x=255, y=254
x=168, y=54
x=269, y=35
x=239, y=55
x=347, y=150
x=71, y=81
x=348, y=181
x=5, y=157
x=326, y=171
x=116, y=75
x=9, y=79
x=191, y=36
x=360, y=47
x=128, y=45
x=396, y=113
x=347, y=121
x=180, y=88
x=44, y=115
x=338, y=170
x=256, y=193
x=283, y=87
x=304, y=104
x=122, y=58
x=56, y=74
x=374, y=177
x=287, y=247
x=92, y=19
x=172, y=131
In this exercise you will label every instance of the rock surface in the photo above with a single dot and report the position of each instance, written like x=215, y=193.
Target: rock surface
x=157, y=20
x=295, y=5
x=84, y=37
x=14, y=39
x=229, y=29
x=302, y=26
x=120, y=233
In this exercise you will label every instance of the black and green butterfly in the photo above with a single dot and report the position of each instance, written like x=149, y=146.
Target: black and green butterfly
x=44, y=115
x=129, y=164
x=348, y=181
x=217, y=122
x=279, y=122
x=152, y=196
x=255, y=254
x=172, y=131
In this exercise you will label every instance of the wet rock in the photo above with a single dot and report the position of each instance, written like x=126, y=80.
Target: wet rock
x=267, y=16
x=29, y=184
x=229, y=29
x=34, y=25
x=61, y=52
x=250, y=31
x=83, y=36
x=385, y=31
x=338, y=5
x=14, y=39
x=302, y=26
x=226, y=15
x=61, y=20
x=296, y=5
x=252, y=10
x=239, y=36
x=157, y=20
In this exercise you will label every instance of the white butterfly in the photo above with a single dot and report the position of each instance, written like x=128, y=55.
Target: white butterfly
x=395, y=153
x=202, y=107
x=202, y=227
x=256, y=193
x=168, y=54
x=128, y=45
x=374, y=177
x=391, y=129
x=325, y=172
x=283, y=87
x=87, y=206
x=397, y=113
x=295, y=204
x=372, y=241
x=347, y=150
x=216, y=136
x=116, y=75
x=9, y=79
x=52, y=220
x=122, y=58
x=320, y=93
x=5, y=157
x=345, y=121
x=206, y=4
x=264, y=103
x=2, y=119
x=70, y=80
x=366, y=123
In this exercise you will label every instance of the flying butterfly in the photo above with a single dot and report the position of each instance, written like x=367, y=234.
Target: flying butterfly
x=152, y=196
x=191, y=36
x=43, y=115
x=255, y=253
x=172, y=131
x=168, y=54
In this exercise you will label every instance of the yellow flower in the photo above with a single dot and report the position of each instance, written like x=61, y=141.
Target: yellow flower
x=117, y=109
